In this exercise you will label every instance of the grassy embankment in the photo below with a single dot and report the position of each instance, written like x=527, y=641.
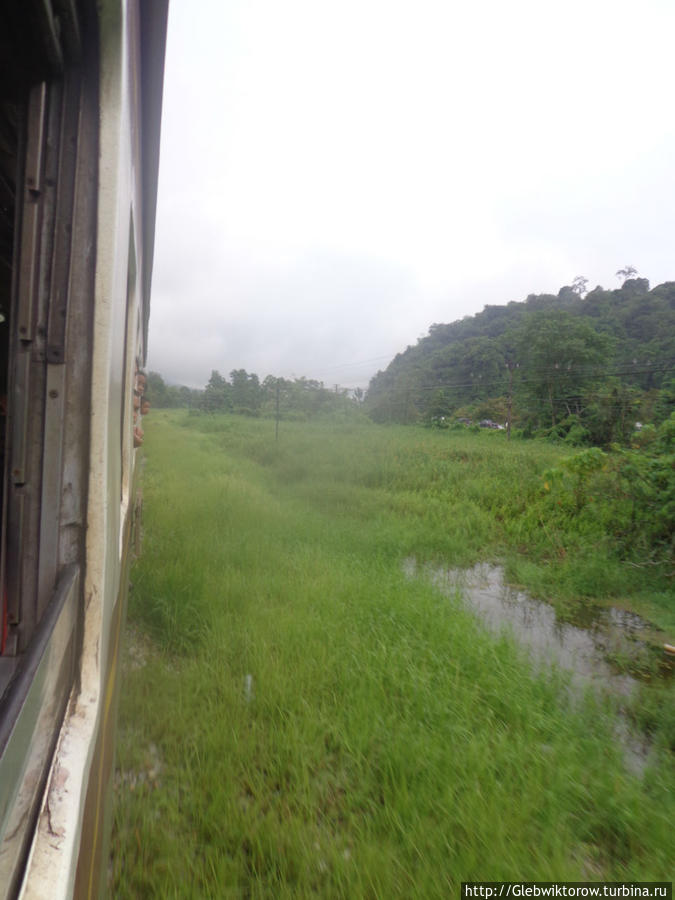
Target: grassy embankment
x=299, y=718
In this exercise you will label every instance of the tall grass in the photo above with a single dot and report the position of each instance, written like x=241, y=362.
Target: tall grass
x=300, y=719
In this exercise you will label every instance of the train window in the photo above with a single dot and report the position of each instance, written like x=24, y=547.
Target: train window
x=47, y=153
x=12, y=113
x=48, y=169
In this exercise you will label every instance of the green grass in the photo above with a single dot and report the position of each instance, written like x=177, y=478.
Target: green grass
x=300, y=719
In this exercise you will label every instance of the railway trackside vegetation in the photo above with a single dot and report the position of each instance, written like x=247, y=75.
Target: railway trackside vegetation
x=301, y=718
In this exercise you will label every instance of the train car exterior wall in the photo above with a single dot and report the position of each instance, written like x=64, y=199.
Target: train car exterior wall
x=58, y=713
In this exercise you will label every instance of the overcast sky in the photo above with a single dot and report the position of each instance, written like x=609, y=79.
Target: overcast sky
x=337, y=175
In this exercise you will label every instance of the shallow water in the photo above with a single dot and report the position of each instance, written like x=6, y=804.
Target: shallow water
x=579, y=649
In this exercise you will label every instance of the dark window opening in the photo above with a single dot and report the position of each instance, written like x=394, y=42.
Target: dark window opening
x=48, y=206
x=12, y=114
x=42, y=150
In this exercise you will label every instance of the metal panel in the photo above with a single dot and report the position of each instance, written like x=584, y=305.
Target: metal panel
x=37, y=110
x=19, y=411
x=50, y=500
x=30, y=714
x=57, y=311
x=41, y=414
x=65, y=200
x=28, y=395
x=32, y=210
x=78, y=337
x=15, y=541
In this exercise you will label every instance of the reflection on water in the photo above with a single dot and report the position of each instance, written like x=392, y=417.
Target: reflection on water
x=580, y=649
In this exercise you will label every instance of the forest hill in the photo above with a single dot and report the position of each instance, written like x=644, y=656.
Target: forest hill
x=579, y=367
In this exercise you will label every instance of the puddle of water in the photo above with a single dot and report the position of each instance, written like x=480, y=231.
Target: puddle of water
x=534, y=623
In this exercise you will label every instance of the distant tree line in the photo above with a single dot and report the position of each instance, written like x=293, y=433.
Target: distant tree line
x=297, y=398
x=244, y=394
x=578, y=366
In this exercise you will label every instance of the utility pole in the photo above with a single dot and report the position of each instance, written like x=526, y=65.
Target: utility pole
x=509, y=366
x=276, y=421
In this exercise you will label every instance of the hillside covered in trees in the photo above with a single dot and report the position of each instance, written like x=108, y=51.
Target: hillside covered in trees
x=584, y=367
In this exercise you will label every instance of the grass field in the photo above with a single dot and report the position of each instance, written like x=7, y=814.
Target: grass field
x=298, y=718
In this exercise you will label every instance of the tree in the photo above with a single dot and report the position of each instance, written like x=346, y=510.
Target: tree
x=579, y=285
x=156, y=391
x=216, y=394
x=626, y=273
x=246, y=391
x=560, y=355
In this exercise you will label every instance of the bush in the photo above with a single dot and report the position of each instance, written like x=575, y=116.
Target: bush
x=629, y=494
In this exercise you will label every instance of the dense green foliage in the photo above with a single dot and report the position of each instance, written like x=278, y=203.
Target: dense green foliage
x=300, y=718
x=582, y=368
x=625, y=498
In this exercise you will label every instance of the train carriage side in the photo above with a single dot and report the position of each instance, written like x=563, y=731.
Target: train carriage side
x=80, y=105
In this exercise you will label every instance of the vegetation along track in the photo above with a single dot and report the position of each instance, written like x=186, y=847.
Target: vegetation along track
x=300, y=718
